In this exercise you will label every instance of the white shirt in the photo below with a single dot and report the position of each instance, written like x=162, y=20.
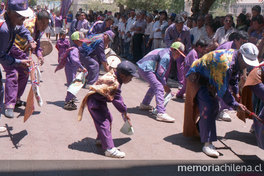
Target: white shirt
x=148, y=30
x=198, y=33
x=130, y=22
x=157, y=26
x=221, y=35
x=122, y=28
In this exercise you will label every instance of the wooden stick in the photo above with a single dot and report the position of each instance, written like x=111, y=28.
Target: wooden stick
x=252, y=114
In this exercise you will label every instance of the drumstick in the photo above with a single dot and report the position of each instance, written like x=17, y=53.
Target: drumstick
x=252, y=114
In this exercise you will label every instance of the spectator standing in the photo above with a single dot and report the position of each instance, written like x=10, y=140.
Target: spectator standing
x=138, y=28
x=157, y=30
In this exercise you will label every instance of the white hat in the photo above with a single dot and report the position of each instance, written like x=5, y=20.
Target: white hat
x=21, y=7
x=249, y=54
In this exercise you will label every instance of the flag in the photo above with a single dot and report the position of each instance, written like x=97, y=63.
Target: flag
x=65, y=6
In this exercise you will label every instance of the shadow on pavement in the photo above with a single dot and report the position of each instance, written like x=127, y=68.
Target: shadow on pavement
x=15, y=138
x=247, y=138
x=57, y=103
x=88, y=145
x=189, y=143
x=245, y=158
x=22, y=112
x=180, y=100
x=136, y=110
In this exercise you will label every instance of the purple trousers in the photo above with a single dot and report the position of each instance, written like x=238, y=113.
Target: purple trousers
x=180, y=69
x=1, y=92
x=258, y=90
x=70, y=72
x=93, y=68
x=208, y=107
x=102, y=118
x=156, y=88
x=16, y=79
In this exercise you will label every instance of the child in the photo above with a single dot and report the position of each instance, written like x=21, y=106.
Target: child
x=108, y=89
x=62, y=44
x=155, y=68
x=70, y=60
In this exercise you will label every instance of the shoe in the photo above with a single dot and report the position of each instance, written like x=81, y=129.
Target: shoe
x=2, y=129
x=210, y=150
x=98, y=142
x=165, y=118
x=179, y=96
x=145, y=107
x=74, y=99
x=252, y=129
x=223, y=115
x=70, y=105
x=9, y=113
x=20, y=103
x=114, y=153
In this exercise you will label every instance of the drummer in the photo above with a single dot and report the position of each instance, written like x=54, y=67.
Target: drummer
x=17, y=77
x=93, y=55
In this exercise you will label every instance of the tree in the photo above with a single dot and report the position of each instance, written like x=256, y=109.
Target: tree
x=32, y=3
x=198, y=6
x=203, y=6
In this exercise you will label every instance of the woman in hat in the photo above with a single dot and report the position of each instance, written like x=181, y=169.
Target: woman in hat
x=209, y=76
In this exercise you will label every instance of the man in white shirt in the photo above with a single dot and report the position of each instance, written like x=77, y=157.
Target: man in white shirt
x=222, y=33
x=148, y=34
x=199, y=32
x=157, y=28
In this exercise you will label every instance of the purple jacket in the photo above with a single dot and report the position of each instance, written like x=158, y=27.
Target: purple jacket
x=73, y=58
x=7, y=35
x=171, y=34
x=117, y=101
x=98, y=27
x=62, y=45
x=227, y=45
x=98, y=54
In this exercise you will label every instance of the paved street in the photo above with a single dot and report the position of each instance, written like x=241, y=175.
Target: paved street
x=53, y=133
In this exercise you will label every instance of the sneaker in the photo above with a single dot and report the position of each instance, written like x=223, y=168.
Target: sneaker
x=210, y=150
x=2, y=129
x=145, y=107
x=70, y=105
x=20, y=103
x=164, y=118
x=114, y=153
x=252, y=129
x=223, y=115
x=98, y=142
x=9, y=113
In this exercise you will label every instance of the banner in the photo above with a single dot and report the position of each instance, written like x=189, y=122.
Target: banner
x=65, y=6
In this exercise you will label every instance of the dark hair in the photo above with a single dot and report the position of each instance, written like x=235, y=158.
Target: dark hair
x=258, y=18
x=234, y=36
x=201, y=43
x=242, y=17
x=43, y=14
x=229, y=16
x=213, y=25
x=77, y=14
x=256, y=8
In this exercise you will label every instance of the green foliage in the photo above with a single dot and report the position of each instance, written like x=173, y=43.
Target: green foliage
x=32, y=3
x=171, y=5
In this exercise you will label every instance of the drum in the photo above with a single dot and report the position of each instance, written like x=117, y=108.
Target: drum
x=108, y=52
x=46, y=46
x=113, y=61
